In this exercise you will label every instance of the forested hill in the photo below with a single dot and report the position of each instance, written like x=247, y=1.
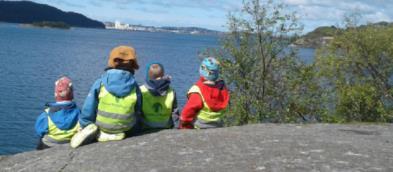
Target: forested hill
x=30, y=12
x=315, y=37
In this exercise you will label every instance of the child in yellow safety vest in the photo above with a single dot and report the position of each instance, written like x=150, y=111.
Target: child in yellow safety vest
x=113, y=105
x=207, y=99
x=58, y=124
x=159, y=107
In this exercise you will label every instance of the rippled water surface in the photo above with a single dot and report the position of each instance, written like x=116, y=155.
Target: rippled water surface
x=31, y=59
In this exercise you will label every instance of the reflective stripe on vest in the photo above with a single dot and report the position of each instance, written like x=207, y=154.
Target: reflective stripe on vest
x=157, y=110
x=48, y=140
x=116, y=114
x=60, y=136
x=206, y=114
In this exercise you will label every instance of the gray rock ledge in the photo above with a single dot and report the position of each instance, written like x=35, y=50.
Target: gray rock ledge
x=263, y=147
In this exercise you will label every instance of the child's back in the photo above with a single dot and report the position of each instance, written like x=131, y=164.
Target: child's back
x=114, y=101
x=159, y=99
x=59, y=122
x=207, y=99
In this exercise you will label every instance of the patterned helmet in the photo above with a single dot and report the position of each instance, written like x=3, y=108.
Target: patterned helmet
x=210, y=69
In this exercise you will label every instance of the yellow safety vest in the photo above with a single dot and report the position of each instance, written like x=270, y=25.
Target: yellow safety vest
x=55, y=134
x=157, y=110
x=206, y=114
x=116, y=114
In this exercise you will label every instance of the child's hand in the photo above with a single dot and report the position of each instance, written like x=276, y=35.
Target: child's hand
x=79, y=129
x=185, y=125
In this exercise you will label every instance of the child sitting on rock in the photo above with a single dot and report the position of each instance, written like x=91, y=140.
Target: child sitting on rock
x=59, y=122
x=207, y=99
x=159, y=107
x=114, y=101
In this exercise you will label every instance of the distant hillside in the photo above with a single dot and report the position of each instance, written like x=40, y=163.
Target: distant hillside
x=197, y=30
x=30, y=12
x=183, y=30
x=323, y=34
x=317, y=37
x=379, y=24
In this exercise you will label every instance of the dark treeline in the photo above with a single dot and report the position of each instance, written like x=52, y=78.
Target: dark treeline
x=30, y=12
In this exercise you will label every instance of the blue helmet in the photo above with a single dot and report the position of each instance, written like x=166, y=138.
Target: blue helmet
x=210, y=69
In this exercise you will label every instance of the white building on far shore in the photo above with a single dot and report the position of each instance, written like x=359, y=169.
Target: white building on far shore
x=121, y=26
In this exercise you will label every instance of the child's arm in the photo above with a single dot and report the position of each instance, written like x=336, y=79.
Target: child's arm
x=190, y=110
x=89, y=110
x=41, y=125
x=138, y=110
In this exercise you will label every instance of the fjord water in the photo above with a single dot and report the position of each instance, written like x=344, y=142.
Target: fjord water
x=31, y=59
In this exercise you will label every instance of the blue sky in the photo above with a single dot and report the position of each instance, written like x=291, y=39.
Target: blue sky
x=212, y=13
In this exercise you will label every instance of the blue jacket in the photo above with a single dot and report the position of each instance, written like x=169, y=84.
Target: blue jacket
x=64, y=115
x=119, y=83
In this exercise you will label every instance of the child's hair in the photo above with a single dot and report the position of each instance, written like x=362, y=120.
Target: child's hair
x=155, y=71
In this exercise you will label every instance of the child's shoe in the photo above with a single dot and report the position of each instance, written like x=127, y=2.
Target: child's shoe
x=85, y=134
x=104, y=137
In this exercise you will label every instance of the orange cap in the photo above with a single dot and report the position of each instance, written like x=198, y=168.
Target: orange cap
x=125, y=53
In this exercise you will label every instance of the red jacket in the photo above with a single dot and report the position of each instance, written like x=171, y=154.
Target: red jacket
x=216, y=97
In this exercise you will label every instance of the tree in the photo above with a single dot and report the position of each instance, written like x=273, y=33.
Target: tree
x=357, y=67
x=268, y=82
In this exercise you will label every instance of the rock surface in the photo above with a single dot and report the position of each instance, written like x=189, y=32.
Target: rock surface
x=264, y=147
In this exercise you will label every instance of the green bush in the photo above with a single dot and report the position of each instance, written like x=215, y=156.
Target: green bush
x=358, y=66
x=350, y=80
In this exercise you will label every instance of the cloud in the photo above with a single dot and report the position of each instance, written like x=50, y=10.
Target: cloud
x=212, y=13
x=312, y=12
x=152, y=11
x=196, y=4
x=95, y=3
x=66, y=3
x=333, y=11
x=377, y=17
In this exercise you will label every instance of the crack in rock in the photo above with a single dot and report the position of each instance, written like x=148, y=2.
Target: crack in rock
x=360, y=132
x=71, y=156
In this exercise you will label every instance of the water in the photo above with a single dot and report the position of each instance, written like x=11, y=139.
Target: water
x=31, y=59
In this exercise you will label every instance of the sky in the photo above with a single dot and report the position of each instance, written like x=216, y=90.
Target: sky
x=212, y=14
